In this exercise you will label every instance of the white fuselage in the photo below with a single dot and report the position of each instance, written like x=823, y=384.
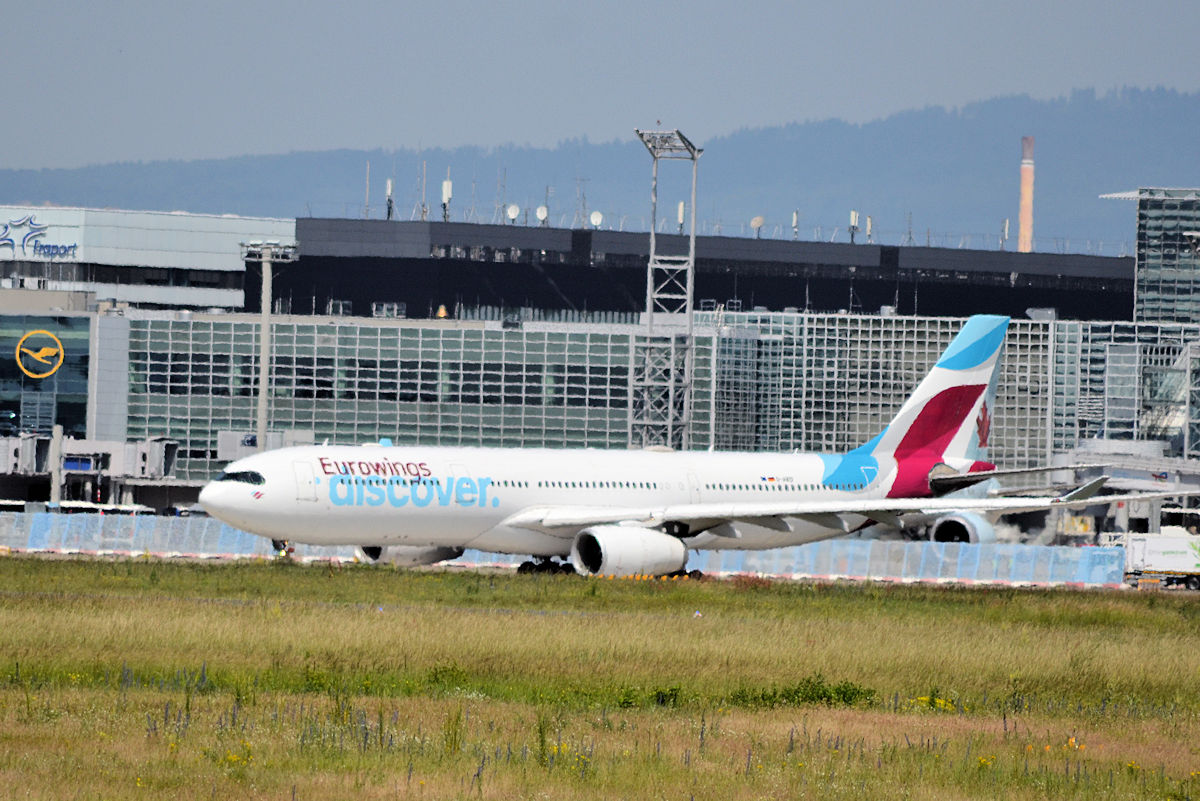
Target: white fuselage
x=461, y=497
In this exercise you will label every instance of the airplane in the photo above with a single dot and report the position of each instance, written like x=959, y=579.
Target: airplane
x=639, y=512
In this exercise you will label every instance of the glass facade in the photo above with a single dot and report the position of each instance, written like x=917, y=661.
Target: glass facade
x=1122, y=381
x=38, y=390
x=771, y=381
x=1167, y=287
x=763, y=381
x=356, y=381
x=833, y=381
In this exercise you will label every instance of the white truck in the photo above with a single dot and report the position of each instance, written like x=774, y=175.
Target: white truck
x=1163, y=560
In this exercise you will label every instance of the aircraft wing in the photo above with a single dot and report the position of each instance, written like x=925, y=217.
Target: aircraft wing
x=834, y=514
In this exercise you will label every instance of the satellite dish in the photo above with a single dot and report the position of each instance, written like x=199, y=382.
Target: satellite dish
x=542, y=213
x=757, y=222
x=513, y=211
x=596, y=218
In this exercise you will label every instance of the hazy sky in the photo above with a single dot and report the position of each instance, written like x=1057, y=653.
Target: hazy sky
x=141, y=81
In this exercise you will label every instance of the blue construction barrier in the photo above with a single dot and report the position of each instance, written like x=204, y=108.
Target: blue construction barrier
x=830, y=559
x=134, y=535
x=951, y=562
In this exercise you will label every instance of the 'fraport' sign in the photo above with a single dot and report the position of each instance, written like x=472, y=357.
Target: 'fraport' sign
x=26, y=237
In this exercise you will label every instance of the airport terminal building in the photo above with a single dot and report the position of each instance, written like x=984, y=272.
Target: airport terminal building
x=77, y=256
x=381, y=267
x=538, y=357
x=763, y=380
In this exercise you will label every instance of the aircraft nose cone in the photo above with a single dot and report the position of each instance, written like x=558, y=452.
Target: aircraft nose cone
x=209, y=499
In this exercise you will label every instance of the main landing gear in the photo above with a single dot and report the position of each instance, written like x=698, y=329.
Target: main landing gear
x=545, y=565
x=282, y=548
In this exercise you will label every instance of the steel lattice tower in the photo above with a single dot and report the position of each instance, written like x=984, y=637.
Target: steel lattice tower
x=663, y=356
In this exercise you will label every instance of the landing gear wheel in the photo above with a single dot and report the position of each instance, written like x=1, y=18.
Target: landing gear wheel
x=545, y=565
x=279, y=545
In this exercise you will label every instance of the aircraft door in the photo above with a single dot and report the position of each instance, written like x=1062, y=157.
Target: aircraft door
x=306, y=486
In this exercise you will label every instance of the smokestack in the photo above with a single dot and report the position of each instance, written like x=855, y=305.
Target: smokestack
x=1025, y=213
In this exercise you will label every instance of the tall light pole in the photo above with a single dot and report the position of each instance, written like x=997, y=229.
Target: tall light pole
x=265, y=253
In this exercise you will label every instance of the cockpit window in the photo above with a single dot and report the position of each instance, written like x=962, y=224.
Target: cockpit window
x=243, y=476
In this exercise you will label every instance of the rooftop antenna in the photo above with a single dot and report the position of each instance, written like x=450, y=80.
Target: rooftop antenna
x=756, y=223
x=908, y=238
x=795, y=225
x=853, y=225
x=542, y=215
x=680, y=216
x=581, y=211
x=447, y=193
x=1004, y=233
x=367, y=197
x=870, y=229
x=474, y=200
x=546, y=205
x=596, y=218
x=512, y=212
x=501, y=200
x=421, y=209
x=390, y=208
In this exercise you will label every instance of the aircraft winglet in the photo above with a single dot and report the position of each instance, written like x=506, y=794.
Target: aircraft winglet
x=1086, y=491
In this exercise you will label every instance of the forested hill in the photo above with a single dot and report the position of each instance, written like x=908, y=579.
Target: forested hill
x=953, y=172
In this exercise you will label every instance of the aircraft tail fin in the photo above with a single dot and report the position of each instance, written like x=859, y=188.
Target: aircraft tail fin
x=948, y=418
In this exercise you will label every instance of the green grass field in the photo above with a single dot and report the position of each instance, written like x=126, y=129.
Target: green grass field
x=273, y=680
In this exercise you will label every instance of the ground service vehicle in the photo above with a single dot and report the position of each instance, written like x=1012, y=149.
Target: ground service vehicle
x=1163, y=559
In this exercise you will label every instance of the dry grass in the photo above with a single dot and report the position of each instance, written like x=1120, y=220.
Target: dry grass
x=256, y=681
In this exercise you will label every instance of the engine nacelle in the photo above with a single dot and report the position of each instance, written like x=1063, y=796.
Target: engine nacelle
x=962, y=527
x=406, y=555
x=626, y=551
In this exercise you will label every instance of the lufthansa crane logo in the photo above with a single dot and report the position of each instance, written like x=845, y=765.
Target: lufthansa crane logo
x=39, y=354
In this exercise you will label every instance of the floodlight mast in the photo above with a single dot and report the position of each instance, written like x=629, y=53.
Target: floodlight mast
x=670, y=279
x=265, y=253
x=663, y=357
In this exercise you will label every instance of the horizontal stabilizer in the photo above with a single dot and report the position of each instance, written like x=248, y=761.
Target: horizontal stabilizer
x=940, y=485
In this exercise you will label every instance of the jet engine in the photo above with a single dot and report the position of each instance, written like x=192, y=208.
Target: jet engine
x=962, y=527
x=406, y=555
x=626, y=551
